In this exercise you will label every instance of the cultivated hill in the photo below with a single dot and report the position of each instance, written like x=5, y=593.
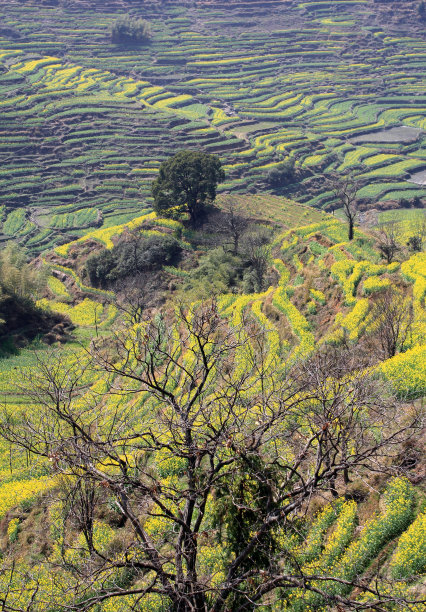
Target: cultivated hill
x=318, y=86
x=325, y=292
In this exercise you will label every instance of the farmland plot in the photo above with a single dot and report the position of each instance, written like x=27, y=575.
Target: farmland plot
x=85, y=123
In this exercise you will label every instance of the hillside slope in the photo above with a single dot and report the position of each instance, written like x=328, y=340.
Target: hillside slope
x=324, y=296
x=85, y=123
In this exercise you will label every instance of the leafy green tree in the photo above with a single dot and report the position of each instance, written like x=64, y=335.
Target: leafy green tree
x=415, y=243
x=241, y=500
x=186, y=183
x=129, y=30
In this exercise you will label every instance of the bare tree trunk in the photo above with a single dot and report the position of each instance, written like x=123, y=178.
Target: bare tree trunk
x=350, y=229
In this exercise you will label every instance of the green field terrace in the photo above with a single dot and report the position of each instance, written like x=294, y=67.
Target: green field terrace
x=84, y=123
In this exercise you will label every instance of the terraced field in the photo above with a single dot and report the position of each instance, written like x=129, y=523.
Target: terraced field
x=321, y=297
x=84, y=124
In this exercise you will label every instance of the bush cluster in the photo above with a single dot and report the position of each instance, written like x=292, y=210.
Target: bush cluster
x=130, y=30
x=282, y=174
x=130, y=257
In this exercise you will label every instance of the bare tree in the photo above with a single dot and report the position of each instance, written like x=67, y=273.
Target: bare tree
x=135, y=295
x=234, y=224
x=345, y=189
x=388, y=240
x=197, y=420
x=230, y=223
x=81, y=497
x=17, y=584
x=393, y=313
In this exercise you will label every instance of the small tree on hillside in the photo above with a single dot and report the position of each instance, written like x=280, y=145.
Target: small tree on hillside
x=393, y=313
x=231, y=223
x=388, y=241
x=257, y=255
x=130, y=30
x=282, y=174
x=186, y=183
x=345, y=190
x=417, y=235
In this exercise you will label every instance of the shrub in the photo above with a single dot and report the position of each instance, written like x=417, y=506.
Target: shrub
x=415, y=243
x=282, y=174
x=132, y=256
x=99, y=266
x=312, y=307
x=218, y=272
x=318, y=296
x=130, y=30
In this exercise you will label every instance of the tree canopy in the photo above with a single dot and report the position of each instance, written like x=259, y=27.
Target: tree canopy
x=186, y=183
x=129, y=30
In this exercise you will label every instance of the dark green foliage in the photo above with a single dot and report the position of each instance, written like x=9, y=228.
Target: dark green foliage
x=221, y=271
x=186, y=183
x=282, y=174
x=415, y=242
x=422, y=11
x=414, y=203
x=131, y=257
x=243, y=502
x=99, y=266
x=218, y=272
x=130, y=30
x=20, y=319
